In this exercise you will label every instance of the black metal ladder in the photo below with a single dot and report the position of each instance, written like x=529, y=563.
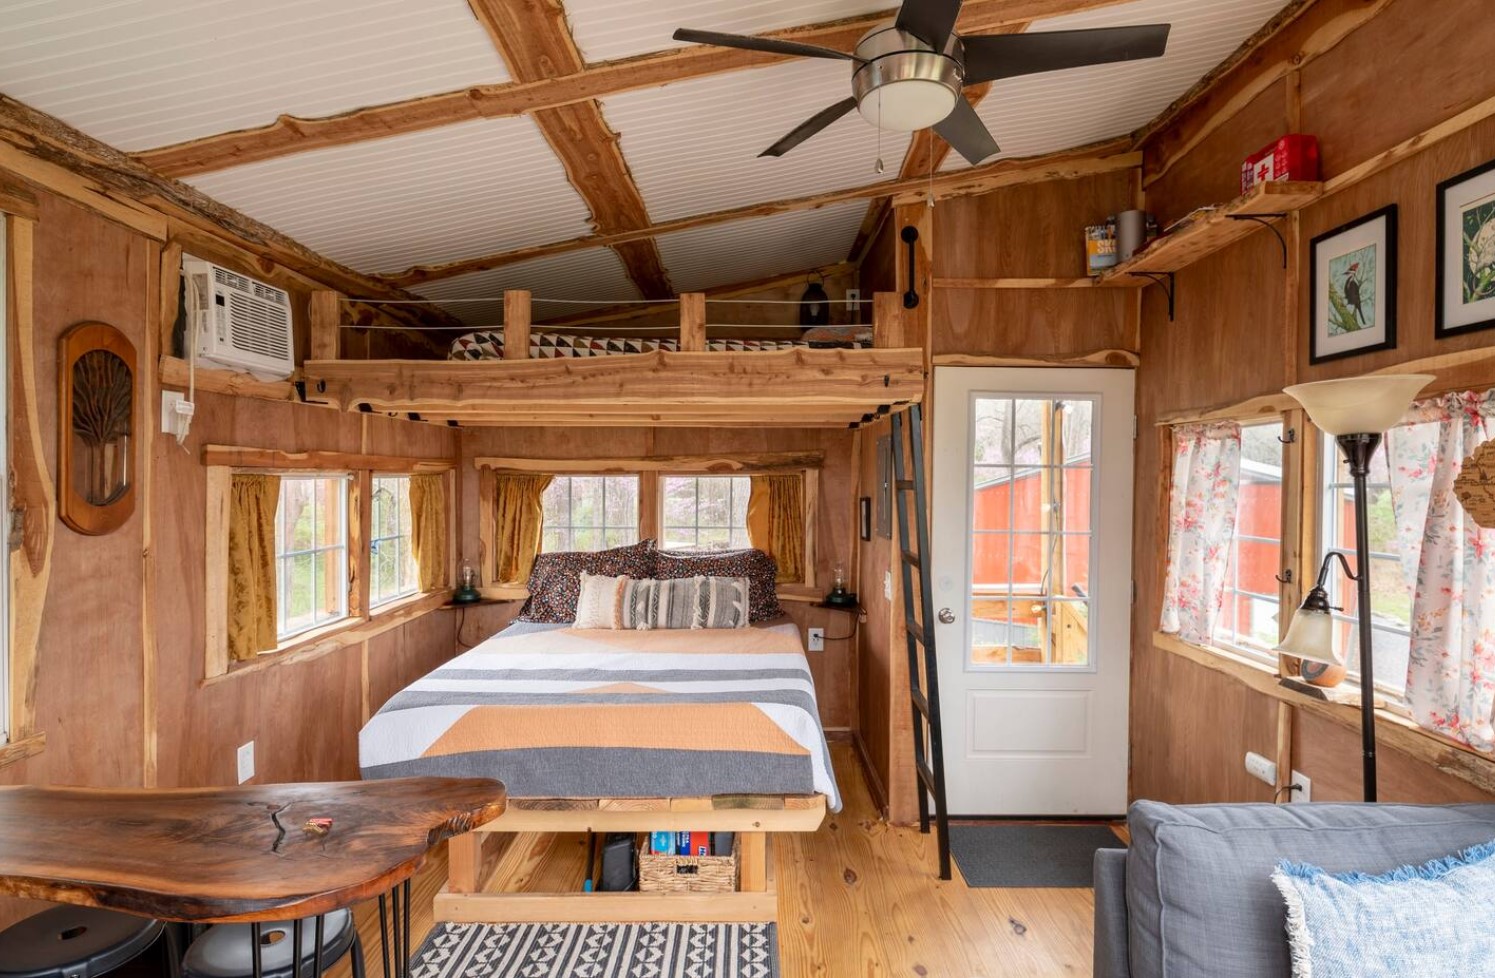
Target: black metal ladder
x=918, y=616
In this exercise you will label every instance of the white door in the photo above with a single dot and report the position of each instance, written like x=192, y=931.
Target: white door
x=1032, y=557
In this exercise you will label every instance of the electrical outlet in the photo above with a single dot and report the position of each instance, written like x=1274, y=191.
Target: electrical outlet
x=246, y=761
x=1261, y=768
x=176, y=414
x=817, y=640
x=853, y=299
x=887, y=585
x=1302, y=790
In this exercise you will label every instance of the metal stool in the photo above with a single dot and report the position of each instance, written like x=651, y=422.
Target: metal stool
x=226, y=950
x=81, y=942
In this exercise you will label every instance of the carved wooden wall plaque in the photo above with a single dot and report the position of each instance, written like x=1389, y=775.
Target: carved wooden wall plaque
x=96, y=470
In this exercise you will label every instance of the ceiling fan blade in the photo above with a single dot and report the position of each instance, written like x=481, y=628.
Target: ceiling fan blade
x=931, y=21
x=766, y=44
x=966, y=133
x=810, y=127
x=993, y=56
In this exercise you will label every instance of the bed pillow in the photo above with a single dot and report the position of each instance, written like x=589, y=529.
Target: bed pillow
x=555, y=581
x=1440, y=915
x=755, y=565
x=650, y=604
x=722, y=602
x=599, y=603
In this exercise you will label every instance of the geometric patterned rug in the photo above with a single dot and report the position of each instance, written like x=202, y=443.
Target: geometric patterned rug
x=599, y=951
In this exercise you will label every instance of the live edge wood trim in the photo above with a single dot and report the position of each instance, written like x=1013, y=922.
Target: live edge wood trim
x=22, y=748
x=1392, y=730
x=745, y=463
x=270, y=458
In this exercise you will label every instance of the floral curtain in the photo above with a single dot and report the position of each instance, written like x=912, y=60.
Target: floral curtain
x=251, y=565
x=776, y=522
x=1451, y=561
x=429, y=530
x=1201, y=525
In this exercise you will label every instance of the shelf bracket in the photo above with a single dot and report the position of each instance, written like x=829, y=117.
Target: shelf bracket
x=1165, y=280
x=1267, y=221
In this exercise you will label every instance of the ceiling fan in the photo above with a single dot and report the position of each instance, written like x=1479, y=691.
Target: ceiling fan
x=908, y=74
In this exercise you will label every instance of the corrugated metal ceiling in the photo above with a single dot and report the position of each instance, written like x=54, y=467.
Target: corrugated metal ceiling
x=741, y=251
x=427, y=197
x=143, y=73
x=594, y=274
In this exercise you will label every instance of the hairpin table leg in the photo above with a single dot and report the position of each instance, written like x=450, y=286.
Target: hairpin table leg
x=384, y=934
x=316, y=954
x=256, y=964
x=296, y=948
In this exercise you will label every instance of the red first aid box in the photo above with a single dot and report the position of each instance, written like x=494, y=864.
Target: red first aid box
x=1293, y=157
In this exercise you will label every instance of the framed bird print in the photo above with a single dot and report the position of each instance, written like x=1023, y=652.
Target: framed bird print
x=1353, y=272
x=1466, y=252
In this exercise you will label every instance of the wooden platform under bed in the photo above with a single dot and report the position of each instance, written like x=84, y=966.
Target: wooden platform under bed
x=487, y=884
x=793, y=388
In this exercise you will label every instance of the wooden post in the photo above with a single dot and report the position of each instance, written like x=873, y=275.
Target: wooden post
x=516, y=324
x=692, y=322
x=753, y=853
x=464, y=855
x=887, y=320
x=326, y=323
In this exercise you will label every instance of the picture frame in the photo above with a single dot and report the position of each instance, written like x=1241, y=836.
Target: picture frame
x=1352, y=274
x=864, y=512
x=1465, y=286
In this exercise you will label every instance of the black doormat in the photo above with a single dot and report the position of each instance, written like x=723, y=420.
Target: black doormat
x=598, y=951
x=1017, y=854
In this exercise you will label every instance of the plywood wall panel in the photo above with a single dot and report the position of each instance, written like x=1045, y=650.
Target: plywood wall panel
x=400, y=657
x=1329, y=754
x=1047, y=322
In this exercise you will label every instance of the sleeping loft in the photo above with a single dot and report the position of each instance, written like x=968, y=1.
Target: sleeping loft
x=622, y=489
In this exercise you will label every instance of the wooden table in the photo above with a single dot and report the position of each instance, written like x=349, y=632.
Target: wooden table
x=249, y=854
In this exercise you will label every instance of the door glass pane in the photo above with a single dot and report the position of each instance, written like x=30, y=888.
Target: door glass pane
x=1031, y=480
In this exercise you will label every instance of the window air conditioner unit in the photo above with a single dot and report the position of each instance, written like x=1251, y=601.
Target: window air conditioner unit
x=238, y=322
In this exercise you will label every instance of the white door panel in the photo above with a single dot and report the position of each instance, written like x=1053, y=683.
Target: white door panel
x=1032, y=503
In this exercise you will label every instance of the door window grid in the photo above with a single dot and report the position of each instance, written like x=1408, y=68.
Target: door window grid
x=590, y=512
x=1249, y=615
x=312, y=575
x=704, y=512
x=391, y=559
x=1035, y=621
x=1391, y=594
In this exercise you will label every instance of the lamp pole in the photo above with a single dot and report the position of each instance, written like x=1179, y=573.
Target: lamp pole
x=1358, y=450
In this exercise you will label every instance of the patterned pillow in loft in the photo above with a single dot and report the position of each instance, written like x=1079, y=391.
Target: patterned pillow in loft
x=755, y=565
x=487, y=344
x=555, y=581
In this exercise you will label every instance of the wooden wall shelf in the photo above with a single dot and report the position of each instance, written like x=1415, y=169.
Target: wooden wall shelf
x=1211, y=232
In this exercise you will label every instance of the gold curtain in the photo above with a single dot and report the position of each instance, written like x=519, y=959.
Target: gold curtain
x=518, y=519
x=429, y=530
x=251, y=565
x=776, y=522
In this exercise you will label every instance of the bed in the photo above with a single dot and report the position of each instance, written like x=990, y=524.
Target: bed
x=616, y=731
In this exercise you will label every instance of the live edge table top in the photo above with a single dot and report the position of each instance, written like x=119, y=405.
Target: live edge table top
x=251, y=853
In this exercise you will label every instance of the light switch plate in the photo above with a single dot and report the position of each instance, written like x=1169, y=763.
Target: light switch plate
x=246, y=761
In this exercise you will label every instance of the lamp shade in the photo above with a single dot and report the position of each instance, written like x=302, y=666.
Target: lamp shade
x=1359, y=405
x=1310, y=636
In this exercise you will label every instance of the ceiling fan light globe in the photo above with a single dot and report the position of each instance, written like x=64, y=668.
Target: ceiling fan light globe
x=907, y=105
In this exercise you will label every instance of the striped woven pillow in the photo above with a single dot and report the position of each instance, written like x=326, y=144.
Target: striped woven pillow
x=722, y=602
x=661, y=604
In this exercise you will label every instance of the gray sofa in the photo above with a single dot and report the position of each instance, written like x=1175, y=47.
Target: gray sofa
x=1193, y=895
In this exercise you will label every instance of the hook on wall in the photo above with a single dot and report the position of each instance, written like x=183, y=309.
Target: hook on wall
x=1289, y=436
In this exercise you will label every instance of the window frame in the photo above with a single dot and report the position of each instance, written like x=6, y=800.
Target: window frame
x=348, y=586
x=664, y=526
x=1265, y=656
x=571, y=527
x=375, y=540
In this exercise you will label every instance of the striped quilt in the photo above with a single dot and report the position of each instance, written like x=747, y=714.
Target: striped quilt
x=559, y=712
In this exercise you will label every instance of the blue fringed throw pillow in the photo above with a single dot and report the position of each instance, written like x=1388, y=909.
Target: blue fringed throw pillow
x=1433, y=919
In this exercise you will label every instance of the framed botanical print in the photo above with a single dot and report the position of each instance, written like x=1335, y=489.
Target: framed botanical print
x=1353, y=274
x=1466, y=252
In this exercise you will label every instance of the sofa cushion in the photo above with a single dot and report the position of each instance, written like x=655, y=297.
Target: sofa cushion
x=1199, y=892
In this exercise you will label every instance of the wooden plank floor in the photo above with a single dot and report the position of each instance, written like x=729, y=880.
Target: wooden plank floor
x=857, y=899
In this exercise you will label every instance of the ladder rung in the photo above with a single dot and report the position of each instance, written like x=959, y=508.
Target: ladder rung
x=921, y=703
x=909, y=557
x=925, y=774
x=906, y=484
x=915, y=631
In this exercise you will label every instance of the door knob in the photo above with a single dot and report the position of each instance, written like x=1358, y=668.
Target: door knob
x=946, y=616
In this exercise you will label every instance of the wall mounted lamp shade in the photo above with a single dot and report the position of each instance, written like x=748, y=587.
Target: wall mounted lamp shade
x=1359, y=405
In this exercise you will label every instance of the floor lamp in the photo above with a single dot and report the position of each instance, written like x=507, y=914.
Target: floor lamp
x=1357, y=411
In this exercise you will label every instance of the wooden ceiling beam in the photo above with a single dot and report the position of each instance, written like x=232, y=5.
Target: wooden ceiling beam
x=1102, y=157
x=292, y=134
x=536, y=43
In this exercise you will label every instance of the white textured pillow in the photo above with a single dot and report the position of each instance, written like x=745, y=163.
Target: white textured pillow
x=721, y=602
x=599, y=603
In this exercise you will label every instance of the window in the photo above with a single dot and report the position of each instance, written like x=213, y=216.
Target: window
x=311, y=552
x=391, y=559
x=1249, y=615
x=1391, y=592
x=590, y=512
x=705, y=512
x=5, y=686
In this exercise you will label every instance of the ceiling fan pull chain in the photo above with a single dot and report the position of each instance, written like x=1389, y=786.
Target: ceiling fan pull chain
x=879, y=168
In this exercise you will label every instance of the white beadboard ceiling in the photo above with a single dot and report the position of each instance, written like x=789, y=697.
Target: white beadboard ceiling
x=693, y=146
x=422, y=198
x=609, y=29
x=144, y=73
x=741, y=251
x=1058, y=110
x=594, y=274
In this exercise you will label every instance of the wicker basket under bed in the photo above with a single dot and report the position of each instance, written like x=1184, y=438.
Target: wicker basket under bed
x=659, y=873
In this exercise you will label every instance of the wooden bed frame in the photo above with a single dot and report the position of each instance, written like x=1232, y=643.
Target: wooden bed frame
x=489, y=889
